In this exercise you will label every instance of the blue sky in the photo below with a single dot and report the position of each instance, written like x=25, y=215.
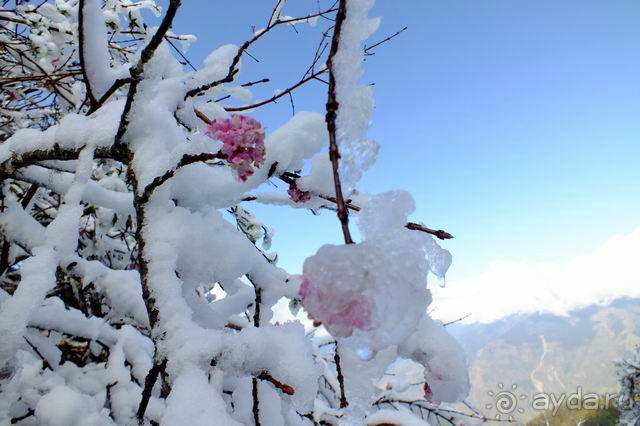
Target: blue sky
x=515, y=124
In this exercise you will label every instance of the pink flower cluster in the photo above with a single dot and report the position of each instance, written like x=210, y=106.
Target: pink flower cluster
x=243, y=142
x=298, y=195
x=339, y=315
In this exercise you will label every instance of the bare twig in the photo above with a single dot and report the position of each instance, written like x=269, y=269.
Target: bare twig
x=278, y=384
x=45, y=363
x=24, y=78
x=293, y=106
x=233, y=67
x=290, y=178
x=256, y=404
x=457, y=320
x=279, y=95
x=439, y=233
x=184, y=58
x=4, y=256
x=29, y=413
x=343, y=398
x=116, y=85
x=253, y=83
x=256, y=312
x=149, y=382
x=367, y=50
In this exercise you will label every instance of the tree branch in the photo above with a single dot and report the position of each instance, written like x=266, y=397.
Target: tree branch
x=116, y=85
x=149, y=382
x=279, y=95
x=8, y=168
x=343, y=398
x=283, y=387
x=45, y=363
x=186, y=160
x=256, y=404
x=373, y=46
x=440, y=234
x=332, y=109
x=233, y=68
x=138, y=70
x=81, y=52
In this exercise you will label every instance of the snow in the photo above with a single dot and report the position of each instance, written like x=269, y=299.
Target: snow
x=372, y=293
x=96, y=55
x=270, y=408
x=320, y=178
x=216, y=65
x=38, y=272
x=372, y=297
x=38, y=276
x=18, y=225
x=275, y=16
x=360, y=377
x=356, y=100
x=193, y=401
x=395, y=417
x=281, y=350
x=439, y=260
x=209, y=246
x=443, y=359
x=121, y=288
x=96, y=193
x=385, y=212
x=73, y=132
x=300, y=138
x=64, y=406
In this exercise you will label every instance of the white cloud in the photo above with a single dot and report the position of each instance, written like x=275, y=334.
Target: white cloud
x=612, y=271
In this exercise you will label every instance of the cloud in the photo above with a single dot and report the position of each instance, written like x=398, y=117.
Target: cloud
x=611, y=272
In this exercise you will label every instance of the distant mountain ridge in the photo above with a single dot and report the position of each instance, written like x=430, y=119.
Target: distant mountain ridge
x=548, y=353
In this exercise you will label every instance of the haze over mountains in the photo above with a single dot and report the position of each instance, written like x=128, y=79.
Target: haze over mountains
x=549, y=353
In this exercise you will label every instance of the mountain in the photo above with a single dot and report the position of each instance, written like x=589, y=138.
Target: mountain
x=534, y=354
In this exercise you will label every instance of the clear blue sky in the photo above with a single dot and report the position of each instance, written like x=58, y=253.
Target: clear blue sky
x=514, y=123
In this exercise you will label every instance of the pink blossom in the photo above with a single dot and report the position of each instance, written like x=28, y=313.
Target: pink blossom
x=298, y=195
x=428, y=393
x=304, y=289
x=243, y=142
x=340, y=315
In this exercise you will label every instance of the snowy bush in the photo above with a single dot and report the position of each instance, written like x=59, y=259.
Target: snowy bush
x=629, y=377
x=137, y=286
